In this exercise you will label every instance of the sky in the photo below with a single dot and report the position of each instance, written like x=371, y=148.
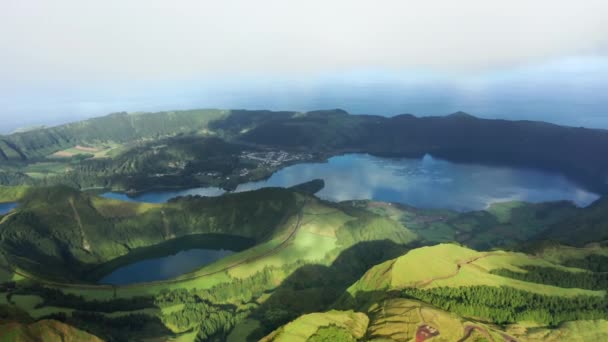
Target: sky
x=65, y=60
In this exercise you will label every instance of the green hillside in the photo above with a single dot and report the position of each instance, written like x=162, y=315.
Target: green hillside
x=351, y=257
x=588, y=225
x=401, y=319
x=57, y=227
x=326, y=326
x=506, y=224
x=365, y=266
x=450, y=265
x=451, y=293
x=294, y=245
x=45, y=330
x=118, y=127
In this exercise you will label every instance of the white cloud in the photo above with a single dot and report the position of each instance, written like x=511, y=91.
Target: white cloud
x=153, y=39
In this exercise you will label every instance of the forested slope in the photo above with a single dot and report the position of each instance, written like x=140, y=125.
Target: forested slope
x=576, y=152
x=118, y=127
x=61, y=232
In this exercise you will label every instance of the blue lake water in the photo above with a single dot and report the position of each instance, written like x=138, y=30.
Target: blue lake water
x=165, y=267
x=164, y=196
x=7, y=207
x=423, y=183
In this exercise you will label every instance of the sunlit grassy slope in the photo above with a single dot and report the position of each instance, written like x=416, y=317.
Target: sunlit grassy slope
x=394, y=316
x=311, y=239
x=44, y=330
x=12, y=193
x=305, y=254
x=450, y=265
x=401, y=319
x=595, y=330
x=303, y=328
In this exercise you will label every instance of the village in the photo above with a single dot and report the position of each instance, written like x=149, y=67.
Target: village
x=275, y=159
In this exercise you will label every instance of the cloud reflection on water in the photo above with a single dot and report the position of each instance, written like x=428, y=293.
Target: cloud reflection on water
x=424, y=183
x=428, y=182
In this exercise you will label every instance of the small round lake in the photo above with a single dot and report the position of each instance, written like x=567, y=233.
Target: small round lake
x=425, y=183
x=7, y=207
x=165, y=267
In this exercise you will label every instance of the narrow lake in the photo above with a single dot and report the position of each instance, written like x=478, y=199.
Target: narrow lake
x=7, y=207
x=164, y=268
x=423, y=183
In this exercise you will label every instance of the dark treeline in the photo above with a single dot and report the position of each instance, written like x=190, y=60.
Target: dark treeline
x=503, y=305
x=114, y=329
x=54, y=297
x=556, y=277
x=593, y=263
x=577, y=152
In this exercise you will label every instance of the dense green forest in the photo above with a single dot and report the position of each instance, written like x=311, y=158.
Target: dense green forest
x=593, y=263
x=55, y=297
x=552, y=276
x=508, y=305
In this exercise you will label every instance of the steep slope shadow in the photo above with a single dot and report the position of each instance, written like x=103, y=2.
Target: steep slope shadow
x=314, y=288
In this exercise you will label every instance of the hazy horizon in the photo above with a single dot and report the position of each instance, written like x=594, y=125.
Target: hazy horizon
x=567, y=91
x=68, y=60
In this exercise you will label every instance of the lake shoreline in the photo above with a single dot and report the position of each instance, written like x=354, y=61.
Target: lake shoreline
x=426, y=183
x=168, y=248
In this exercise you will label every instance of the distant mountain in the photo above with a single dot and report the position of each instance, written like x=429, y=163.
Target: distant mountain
x=461, y=115
x=578, y=153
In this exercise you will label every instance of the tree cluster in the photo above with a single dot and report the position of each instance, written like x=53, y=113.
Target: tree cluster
x=503, y=305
